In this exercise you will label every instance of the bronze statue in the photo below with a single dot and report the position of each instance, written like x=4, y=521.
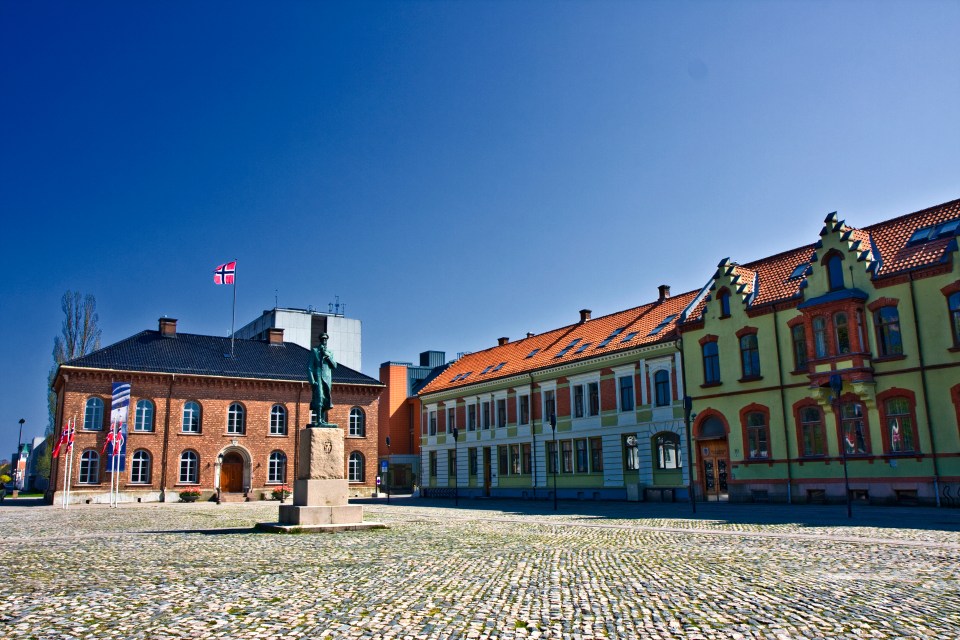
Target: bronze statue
x=322, y=365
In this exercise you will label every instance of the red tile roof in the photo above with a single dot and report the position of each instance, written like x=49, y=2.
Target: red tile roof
x=887, y=243
x=640, y=320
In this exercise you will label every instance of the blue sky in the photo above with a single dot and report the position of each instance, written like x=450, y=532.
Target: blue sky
x=453, y=171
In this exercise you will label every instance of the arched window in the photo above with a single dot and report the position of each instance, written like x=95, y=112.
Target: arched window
x=191, y=417
x=355, y=467
x=89, y=467
x=277, y=468
x=358, y=422
x=758, y=435
x=236, y=419
x=724, y=304
x=93, y=415
x=189, y=468
x=140, y=467
x=835, y=272
x=278, y=420
x=854, y=430
x=953, y=304
x=799, y=338
x=887, y=322
x=711, y=363
x=899, y=425
x=820, y=337
x=144, y=417
x=661, y=384
x=666, y=448
x=842, y=332
x=812, y=432
x=750, y=356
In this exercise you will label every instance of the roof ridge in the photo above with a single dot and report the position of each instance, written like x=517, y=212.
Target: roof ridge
x=908, y=215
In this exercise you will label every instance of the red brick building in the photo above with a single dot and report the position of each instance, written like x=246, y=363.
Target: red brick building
x=201, y=418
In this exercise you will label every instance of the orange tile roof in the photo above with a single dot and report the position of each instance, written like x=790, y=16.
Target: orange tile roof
x=886, y=243
x=514, y=355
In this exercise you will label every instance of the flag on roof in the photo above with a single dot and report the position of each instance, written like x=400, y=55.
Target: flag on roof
x=224, y=273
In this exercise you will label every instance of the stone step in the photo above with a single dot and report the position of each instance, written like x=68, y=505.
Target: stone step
x=233, y=497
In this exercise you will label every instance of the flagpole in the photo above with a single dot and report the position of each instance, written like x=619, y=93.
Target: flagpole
x=113, y=463
x=233, y=320
x=68, y=471
x=63, y=494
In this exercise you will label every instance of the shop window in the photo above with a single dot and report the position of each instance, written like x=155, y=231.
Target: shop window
x=667, y=450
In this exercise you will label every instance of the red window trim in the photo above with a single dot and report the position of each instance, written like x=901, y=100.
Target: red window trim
x=897, y=392
x=880, y=303
x=706, y=414
x=747, y=331
x=708, y=338
x=755, y=408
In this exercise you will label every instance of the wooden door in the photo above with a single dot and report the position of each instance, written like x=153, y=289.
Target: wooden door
x=231, y=473
x=714, y=468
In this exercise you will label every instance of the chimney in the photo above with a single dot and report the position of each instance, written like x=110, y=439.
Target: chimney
x=530, y=334
x=502, y=341
x=275, y=335
x=584, y=315
x=664, y=290
x=168, y=327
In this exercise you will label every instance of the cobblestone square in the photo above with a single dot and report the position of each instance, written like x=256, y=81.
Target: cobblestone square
x=489, y=569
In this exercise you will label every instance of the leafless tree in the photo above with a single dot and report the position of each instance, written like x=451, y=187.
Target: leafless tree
x=79, y=335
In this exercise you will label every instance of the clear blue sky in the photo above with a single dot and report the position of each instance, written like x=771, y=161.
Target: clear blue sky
x=454, y=171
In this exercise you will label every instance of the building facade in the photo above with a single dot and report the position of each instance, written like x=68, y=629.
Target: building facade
x=592, y=410
x=838, y=358
x=201, y=419
x=304, y=326
x=400, y=418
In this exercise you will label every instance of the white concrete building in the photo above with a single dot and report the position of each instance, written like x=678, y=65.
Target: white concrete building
x=303, y=327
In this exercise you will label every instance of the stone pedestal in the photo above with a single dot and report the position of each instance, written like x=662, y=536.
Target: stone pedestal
x=320, y=490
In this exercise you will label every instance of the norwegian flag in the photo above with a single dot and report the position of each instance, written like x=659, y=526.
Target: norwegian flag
x=66, y=438
x=224, y=273
x=114, y=439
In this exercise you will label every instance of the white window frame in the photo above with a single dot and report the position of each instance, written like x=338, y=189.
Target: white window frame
x=140, y=463
x=584, y=381
x=278, y=420
x=196, y=417
x=545, y=388
x=143, y=417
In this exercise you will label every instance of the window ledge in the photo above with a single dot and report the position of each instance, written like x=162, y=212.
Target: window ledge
x=955, y=349
x=707, y=385
x=276, y=435
x=750, y=378
x=799, y=372
x=889, y=358
x=234, y=435
x=361, y=437
x=191, y=433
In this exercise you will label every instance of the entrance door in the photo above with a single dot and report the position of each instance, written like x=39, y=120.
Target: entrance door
x=714, y=467
x=487, y=473
x=231, y=473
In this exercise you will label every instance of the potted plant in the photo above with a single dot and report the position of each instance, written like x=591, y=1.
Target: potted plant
x=281, y=493
x=189, y=495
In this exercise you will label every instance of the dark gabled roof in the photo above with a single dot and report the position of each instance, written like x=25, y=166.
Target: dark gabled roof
x=192, y=354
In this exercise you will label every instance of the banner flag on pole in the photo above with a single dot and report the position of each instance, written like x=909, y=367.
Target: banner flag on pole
x=117, y=439
x=224, y=274
x=65, y=437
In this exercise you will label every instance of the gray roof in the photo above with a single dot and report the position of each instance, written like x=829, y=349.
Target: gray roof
x=192, y=354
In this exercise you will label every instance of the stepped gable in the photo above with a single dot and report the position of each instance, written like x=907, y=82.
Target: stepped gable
x=883, y=248
x=515, y=358
x=192, y=354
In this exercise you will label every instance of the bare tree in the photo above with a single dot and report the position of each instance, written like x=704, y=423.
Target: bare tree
x=79, y=335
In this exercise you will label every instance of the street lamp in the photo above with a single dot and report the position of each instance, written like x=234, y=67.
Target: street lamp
x=687, y=416
x=556, y=457
x=456, y=479
x=217, y=471
x=387, y=479
x=836, y=385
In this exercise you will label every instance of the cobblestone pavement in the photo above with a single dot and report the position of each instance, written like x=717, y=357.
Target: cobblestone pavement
x=489, y=569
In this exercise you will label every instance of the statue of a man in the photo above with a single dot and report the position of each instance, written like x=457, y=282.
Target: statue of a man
x=322, y=365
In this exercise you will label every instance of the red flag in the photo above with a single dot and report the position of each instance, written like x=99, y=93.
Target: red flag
x=111, y=436
x=64, y=436
x=224, y=273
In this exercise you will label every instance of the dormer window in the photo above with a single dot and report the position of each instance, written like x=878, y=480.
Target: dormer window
x=835, y=272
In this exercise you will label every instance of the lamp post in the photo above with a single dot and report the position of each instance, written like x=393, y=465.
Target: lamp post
x=456, y=471
x=217, y=471
x=687, y=416
x=836, y=385
x=387, y=479
x=556, y=457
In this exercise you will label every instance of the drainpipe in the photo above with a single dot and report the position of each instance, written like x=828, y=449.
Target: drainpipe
x=533, y=434
x=783, y=406
x=926, y=394
x=166, y=443
x=58, y=417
